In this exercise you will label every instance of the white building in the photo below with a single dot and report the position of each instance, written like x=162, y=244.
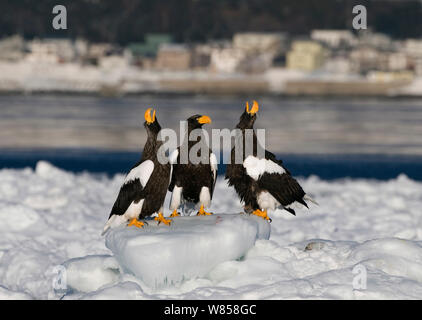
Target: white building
x=417, y=63
x=176, y=57
x=260, y=42
x=390, y=76
x=375, y=40
x=306, y=55
x=12, y=48
x=397, y=61
x=413, y=47
x=113, y=62
x=339, y=65
x=81, y=47
x=365, y=58
x=51, y=50
x=227, y=60
x=334, y=38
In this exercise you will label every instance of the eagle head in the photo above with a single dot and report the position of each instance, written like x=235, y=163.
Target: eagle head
x=248, y=117
x=197, y=121
x=151, y=122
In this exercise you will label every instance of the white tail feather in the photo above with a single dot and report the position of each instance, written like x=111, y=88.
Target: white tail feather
x=114, y=221
x=295, y=205
x=106, y=227
x=306, y=197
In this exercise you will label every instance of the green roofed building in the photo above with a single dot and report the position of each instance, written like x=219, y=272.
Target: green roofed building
x=149, y=47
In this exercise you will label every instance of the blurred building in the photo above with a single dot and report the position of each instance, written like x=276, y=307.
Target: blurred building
x=334, y=38
x=391, y=76
x=227, y=59
x=259, y=42
x=306, y=55
x=201, y=56
x=150, y=46
x=12, y=48
x=97, y=50
x=367, y=38
x=143, y=54
x=51, y=50
x=81, y=48
x=249, y=52
x=112, y=61
x=174, y=57
x=339, y=65
x=398, y=61
x=92, y=53
x=413, y=48
x=262, y=49
x=417, y=66
x=365, y=59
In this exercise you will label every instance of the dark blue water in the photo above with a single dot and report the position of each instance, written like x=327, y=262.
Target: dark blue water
x=380, y=167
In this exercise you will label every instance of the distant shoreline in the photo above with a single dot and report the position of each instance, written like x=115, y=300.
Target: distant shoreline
x=167, y=94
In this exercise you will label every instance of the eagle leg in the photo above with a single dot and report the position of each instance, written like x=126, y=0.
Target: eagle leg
x=262, y=214
x=161, y=218
x=175, y=214
x=136, y=223
x=202, y=212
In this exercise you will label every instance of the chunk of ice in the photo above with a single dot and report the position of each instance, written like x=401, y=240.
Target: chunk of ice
x=191, y=247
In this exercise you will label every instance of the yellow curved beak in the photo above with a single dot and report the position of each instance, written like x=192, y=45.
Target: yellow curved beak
x=254, y=109
x=148, y=117
x=204, y=119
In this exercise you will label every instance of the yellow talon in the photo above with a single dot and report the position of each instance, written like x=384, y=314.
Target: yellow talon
x=161, y=218
x=202, y=212
x=175, y=214
x=136, y=223
x=262, y=214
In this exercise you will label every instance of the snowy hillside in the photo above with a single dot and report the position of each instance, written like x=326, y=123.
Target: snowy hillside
x=51, y=220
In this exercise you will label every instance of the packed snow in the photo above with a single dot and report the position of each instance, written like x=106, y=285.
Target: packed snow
x=363, y=241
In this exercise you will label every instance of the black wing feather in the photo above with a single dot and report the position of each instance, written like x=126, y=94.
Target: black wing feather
x=214, y=180
x=282, y=187
x=182, y=174
x=130, y=191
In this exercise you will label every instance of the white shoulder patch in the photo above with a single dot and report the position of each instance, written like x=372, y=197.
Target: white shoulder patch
x=142, y=172
x=214, y=164
x=256, y=167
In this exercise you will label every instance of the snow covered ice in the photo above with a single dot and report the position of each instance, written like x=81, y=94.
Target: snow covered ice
x=52, y=220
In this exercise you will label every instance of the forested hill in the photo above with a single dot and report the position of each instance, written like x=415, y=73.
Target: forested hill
x=127, y=21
